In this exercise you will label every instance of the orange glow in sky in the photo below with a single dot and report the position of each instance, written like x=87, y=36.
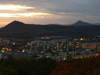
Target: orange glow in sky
x=3, y=23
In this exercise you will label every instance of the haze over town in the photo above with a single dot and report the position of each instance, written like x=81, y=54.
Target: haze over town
x=49, y=11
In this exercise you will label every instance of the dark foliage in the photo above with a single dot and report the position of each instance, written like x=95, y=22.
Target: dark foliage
x=42, y=66
x=89, y=66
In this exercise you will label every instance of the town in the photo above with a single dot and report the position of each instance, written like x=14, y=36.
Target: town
x=56, y=47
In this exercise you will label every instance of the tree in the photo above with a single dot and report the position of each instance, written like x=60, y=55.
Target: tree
x=88, y=66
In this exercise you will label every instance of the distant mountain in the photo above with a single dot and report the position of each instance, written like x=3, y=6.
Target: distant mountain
x=81, y=23
x=97, y=23
x=18, y=29
x=15, y=25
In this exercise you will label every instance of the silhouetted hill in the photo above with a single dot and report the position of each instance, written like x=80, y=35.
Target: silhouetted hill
x=97, y=23
x=14, y=26
x=20, y=30
x=81, y=23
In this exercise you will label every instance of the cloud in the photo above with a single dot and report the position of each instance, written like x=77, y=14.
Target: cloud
x=54, y=6
x=22, y=14
x=14, y=7
x=20, y=11
x=59, y=11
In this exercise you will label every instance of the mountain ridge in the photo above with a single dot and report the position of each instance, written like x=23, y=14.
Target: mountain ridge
x=20, y=30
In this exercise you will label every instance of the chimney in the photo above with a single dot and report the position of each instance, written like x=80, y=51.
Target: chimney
x=58, y=46
x=67, y=47
x=44, y=46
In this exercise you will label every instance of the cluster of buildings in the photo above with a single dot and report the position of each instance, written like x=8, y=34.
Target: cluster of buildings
x=57, y=48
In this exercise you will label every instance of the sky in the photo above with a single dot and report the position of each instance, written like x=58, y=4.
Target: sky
x=49, y=11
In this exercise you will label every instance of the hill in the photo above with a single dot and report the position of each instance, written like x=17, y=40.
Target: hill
x=81, y=23
x=97, y=23
x=14, y=26
x=20, y=30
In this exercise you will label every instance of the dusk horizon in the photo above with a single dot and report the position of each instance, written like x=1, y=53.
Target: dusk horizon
x=49, y=12
x=50, y=23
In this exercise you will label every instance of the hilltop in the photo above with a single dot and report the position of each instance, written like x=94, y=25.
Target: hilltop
x=19, y=29
x=81, y=23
